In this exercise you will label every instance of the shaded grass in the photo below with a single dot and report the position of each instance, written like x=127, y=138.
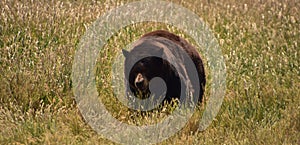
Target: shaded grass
x=259, y=40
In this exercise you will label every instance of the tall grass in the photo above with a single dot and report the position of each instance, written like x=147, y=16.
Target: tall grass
x=259, y=40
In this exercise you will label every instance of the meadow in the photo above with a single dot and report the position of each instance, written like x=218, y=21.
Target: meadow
x=260, y=42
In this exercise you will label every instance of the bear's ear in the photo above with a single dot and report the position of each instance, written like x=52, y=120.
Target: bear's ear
x=125, y=53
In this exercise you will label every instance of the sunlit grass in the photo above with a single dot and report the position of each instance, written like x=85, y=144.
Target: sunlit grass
x=259, y=40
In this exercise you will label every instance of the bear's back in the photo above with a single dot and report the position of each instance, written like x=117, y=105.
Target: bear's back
x=191, y=51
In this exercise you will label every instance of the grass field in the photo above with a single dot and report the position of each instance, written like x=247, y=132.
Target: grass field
x=260, y=41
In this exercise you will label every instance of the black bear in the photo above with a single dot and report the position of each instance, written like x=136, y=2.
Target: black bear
x=159, y=54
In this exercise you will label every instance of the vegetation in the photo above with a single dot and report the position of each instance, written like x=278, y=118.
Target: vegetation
x=259, y=40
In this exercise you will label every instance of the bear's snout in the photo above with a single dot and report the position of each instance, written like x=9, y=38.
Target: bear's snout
x=140, y=82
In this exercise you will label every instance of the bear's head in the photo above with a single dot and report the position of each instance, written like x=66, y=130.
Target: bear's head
x=140, y=68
